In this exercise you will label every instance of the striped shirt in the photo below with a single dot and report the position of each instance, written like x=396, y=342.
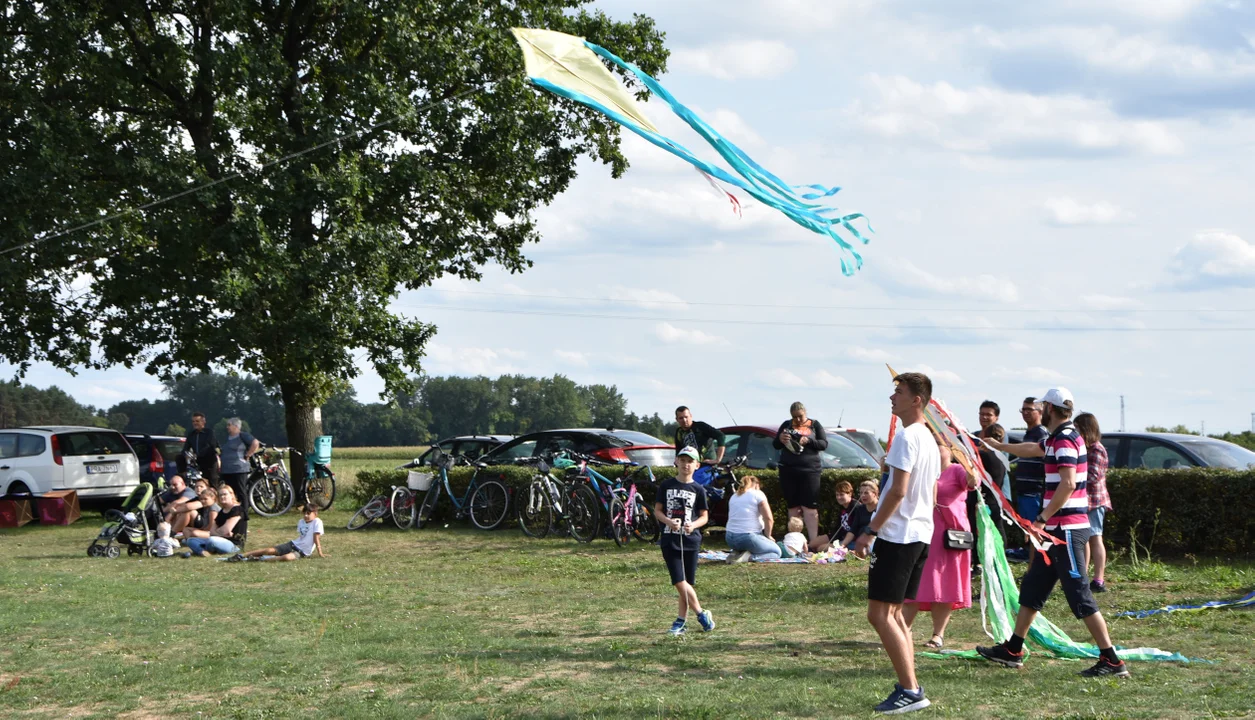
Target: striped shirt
x=1065, y=448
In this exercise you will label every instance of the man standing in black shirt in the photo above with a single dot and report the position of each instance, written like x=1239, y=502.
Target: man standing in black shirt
x=696, y=434
x=201, y=441
x=1030, y=473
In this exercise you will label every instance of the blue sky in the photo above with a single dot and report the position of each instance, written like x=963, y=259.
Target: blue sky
x=1033, y=171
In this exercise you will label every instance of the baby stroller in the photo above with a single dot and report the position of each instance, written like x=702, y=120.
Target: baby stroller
x=134, y=525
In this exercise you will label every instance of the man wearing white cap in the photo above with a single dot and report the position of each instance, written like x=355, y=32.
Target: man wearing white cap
x=1065, y=517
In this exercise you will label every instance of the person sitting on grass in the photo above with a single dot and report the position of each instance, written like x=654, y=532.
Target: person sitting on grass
x=206, y=514
x=174, y=500
x=308, y=539
x=845, y=505
x=795, y=541
x=164, y=545
x=681, y=508
x=226, y=535
x=861, y=516
x=749, y=524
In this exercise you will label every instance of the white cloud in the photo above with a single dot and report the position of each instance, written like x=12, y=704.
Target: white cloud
x=1019, y=347
x=1213, y=259
x=1030, y=374
x=1109, y=302
x=443, y=359
x=906, y=278
x=749, y=59
x=1065, y=211
x=660, y=386
x=669, y=333
x=945, y=376
x=825, y=379
x=572, y=357
x=868, y=355
x=987, y=120
x=781, y=378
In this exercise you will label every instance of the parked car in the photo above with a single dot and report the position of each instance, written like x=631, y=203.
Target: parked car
x=158, y=455
x=95, y=462
x=754, y=442
x=623, y=446
x=1156, y=451
x=866, y=439
x=471, y=447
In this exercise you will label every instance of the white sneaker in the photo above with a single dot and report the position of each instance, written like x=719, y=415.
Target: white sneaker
x=739, y=557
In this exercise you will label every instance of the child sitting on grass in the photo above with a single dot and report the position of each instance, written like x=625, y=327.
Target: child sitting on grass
x=308, y=539
x=164, y=545
x=795, y=540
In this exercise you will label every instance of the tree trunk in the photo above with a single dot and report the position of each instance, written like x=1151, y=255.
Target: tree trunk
x=298, y=412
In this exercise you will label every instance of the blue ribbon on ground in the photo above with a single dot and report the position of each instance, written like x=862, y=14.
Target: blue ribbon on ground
x=1248, y=601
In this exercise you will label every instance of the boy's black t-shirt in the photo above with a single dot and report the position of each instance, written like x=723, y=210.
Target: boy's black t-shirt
x=684, y=502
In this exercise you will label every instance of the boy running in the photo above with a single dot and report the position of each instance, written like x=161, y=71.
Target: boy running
x=1065, y=516
x=308, y=539
x=681, y=508
x=902, y=528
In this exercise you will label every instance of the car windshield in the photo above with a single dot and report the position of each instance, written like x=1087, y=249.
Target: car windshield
x=1218, y=453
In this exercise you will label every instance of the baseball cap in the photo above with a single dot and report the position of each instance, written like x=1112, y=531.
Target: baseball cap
x=689, y=451
x=1059, y=397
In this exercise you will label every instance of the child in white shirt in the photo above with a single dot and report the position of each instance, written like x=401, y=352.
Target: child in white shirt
x=794, y=540
x=164, y=545
x=308, y=540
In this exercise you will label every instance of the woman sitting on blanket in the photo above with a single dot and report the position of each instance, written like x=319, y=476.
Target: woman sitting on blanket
x=749, y=524
x=861, y=516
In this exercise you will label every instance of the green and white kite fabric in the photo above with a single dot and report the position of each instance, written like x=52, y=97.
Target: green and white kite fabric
x=574, y=68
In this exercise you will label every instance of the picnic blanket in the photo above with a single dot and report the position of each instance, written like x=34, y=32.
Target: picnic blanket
x=722, y=556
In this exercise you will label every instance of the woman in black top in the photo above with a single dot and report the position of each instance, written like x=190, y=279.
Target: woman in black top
x=800, y=440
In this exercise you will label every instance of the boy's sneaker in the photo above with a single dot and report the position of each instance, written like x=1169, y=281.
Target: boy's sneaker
x=706, y=620
x=236, y=558
x=677, y=628
x=739, y=556
x=1017, y=555
x=1001, y=655
x=1104, y=668
x=1098, y=587
x=186, y=555
x=902, y=701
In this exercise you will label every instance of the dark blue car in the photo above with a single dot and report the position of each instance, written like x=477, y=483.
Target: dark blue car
x=158, y=456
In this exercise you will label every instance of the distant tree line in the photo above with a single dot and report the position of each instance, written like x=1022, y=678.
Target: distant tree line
x=441, y=406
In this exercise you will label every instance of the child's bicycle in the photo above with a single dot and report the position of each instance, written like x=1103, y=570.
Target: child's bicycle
x=376, y=509
x=548, y=504
x=611, y=496
x=485, y=501
x=639, y=517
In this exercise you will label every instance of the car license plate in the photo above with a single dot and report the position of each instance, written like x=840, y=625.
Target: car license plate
x=102, y=468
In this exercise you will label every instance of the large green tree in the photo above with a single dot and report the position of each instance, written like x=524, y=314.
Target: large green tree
x=432, y=157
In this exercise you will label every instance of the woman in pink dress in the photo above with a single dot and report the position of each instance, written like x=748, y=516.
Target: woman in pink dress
x=946, y=584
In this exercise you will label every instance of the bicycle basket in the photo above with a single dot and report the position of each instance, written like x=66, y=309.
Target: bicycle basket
x=419, y=481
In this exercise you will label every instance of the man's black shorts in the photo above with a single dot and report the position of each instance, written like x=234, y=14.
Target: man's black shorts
x=1067, y=567
x=895, y=570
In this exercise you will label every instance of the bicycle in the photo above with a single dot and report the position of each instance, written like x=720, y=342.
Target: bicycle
x=485, y=501
x=271, y=492
x=547, y=503
x=639, y=517
x=377, y=508
x=610, y=495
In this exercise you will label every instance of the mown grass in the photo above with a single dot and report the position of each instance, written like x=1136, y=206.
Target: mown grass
x=450, y=622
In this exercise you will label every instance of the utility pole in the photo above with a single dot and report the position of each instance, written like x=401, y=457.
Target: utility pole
x=1122, y=415
x=1204, y=423
x=1253, y=422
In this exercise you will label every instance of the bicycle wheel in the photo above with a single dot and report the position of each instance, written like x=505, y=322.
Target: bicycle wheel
x=428, y=507
x=489, y=505
x=618, y=523
x=320, y=490
x=644, y=524
x=401, y=505
x=535, y=510
x=270, y=496
x=583, y=513
x=369, y=513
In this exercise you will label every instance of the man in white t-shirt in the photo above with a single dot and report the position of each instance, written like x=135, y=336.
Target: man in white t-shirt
x=901, y=530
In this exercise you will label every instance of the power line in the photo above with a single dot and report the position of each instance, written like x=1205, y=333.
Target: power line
x=869, y=308
x=787, y=323
x=232, y=176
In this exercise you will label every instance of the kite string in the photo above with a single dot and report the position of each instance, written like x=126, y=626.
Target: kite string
x=236, y=174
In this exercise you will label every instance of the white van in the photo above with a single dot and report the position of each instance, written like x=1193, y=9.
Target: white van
x=95, y=462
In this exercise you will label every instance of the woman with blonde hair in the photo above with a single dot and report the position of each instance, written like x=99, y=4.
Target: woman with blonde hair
x=750, y=523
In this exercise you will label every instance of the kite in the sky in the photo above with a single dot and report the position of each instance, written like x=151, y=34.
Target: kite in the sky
x=570, y=67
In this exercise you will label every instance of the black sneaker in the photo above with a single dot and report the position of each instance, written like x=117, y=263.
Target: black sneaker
x=1097, y=587
x=236, y=558
x=1001, y=655
x=1104, y=668
x=186, y=555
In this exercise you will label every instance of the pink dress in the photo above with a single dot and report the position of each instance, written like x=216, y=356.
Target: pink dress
x=947, y=574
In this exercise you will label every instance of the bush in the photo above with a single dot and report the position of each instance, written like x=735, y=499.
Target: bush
x=1203, y=510
x=376, y=482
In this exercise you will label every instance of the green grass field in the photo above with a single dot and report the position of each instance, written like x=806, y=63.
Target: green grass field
x=458, y=623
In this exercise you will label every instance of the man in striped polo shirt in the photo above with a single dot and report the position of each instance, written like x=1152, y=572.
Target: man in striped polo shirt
x=1063, y=516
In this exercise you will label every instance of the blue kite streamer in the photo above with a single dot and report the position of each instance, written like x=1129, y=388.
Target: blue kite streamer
x=1245, y=602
